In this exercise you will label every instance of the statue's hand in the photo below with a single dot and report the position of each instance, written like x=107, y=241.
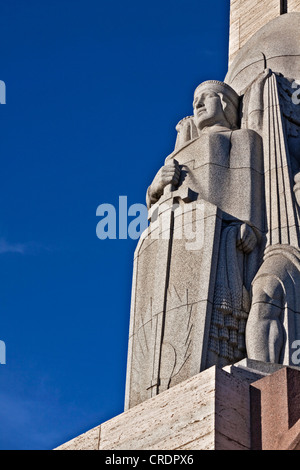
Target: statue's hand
x=168, y=174
x=246, y=239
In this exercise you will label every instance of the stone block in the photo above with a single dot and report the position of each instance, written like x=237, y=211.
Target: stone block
x=275, y=411
x=277, y=38
x=87, y=441
x=248, y=16
x=250, y=405
x=169, y=305
x=209, y=412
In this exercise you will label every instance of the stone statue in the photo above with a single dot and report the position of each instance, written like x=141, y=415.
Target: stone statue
x=196, y=316
x=233, y=183
x=216, y=274
x=216, y=108
x=274, y=320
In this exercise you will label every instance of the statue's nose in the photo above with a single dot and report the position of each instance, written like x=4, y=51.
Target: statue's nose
x=200, y=104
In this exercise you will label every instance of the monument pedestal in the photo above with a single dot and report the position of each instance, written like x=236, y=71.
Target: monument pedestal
x=250, y=405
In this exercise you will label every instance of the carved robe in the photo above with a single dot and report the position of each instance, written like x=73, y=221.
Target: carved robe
x=274, y=319
x=173, y=320
x=226, y=169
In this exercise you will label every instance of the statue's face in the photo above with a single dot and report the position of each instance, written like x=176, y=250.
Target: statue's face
x=208, y=109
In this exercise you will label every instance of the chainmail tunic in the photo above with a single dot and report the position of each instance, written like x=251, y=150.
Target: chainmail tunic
x=231, y=301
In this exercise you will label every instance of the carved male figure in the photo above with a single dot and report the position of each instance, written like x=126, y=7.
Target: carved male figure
x=209, y=153
x=189, y=308
x=274, y=319
x=223, y=165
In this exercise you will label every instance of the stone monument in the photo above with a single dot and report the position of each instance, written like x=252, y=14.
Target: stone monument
x=190, y=303
x=216, y=281
x=235, y=170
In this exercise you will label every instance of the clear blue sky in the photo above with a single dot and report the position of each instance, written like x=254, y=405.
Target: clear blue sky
x=94, y=92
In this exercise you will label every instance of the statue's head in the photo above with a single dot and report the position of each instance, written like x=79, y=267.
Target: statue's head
x=215, y=103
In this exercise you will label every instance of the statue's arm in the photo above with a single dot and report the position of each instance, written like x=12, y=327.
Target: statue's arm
x=168, y=174
x=256, y=102
x=247, y=152
x=186, y=131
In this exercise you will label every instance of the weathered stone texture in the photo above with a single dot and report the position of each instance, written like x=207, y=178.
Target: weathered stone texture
x=275, y=411
x=293, y=5
x=87, y=441
x=209, y=412
x=278, y=40
x=250, y=405
x=248, y=16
